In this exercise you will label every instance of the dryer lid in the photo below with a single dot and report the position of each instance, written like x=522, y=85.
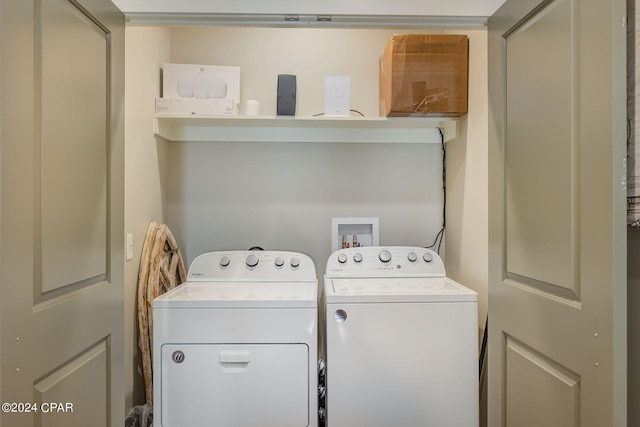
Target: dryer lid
x=383, y=290
x=240, y=295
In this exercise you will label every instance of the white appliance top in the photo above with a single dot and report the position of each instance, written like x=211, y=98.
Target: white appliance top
x=385, y=261
x=390, y=274
x=252, y=266
x=246, y=279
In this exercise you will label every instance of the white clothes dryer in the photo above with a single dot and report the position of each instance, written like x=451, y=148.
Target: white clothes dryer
x=401, y=341
x=236, y=345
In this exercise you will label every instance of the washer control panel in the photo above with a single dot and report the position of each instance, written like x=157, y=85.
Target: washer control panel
x=252, y=266
x=385, y=261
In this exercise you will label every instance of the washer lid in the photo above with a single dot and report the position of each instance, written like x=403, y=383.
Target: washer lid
x=437, y=289
x=240, y=295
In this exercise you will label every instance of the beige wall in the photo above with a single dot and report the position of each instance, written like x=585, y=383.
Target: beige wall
x=205, y=191
x=146, y=49
x=467, y=184
x=283, y=195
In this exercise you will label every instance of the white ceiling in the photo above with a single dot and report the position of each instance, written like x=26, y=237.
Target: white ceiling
x=451, y=8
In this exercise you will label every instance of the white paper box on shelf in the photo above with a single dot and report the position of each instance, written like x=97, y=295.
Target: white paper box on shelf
x=192, y=81
x=223, y=106
x=337, y=92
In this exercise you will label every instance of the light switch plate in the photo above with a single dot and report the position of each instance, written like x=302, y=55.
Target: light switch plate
x=129, y=247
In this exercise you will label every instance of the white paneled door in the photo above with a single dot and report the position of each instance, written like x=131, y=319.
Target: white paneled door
x=61, y=306
x=557, y=292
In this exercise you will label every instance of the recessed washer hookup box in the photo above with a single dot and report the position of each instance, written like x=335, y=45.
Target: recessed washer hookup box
x=354, y=232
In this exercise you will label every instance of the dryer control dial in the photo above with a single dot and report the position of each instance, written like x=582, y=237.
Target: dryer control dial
x=279, y=261
x=427, y=257
x=295, y=262
x=224, y=261
x=412, y=257
x=357, y=257
x=384, y=256
x=342, y=258
x=252, y=260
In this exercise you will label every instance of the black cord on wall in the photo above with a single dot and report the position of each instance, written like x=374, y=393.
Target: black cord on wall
x=437, y=242
x=352, y=110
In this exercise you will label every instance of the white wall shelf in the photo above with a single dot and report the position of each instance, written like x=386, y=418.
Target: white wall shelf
x=304, y=129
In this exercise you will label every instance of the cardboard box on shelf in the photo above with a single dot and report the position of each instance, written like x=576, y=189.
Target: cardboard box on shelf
x=424, y=75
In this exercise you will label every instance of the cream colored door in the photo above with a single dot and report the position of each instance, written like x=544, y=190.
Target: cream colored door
x=557, y=292
x=61, y=213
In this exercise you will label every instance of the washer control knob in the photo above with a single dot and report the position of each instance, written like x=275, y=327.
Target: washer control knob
x=342, y=258
x=384, y=256
x=412, y=257
x=427, y=257
x=357, y=257
x=295, y=262
x=279, y=261
x=224, y=261
x=252, y=260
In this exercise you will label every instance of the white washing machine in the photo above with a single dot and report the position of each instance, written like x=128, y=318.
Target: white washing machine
x=401, y=341
x=236, y=345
